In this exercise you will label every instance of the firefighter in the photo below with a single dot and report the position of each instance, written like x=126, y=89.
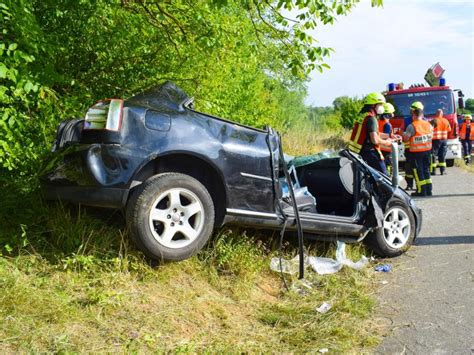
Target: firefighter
x=365, y=138
x=466, y=133
x=441, y=130
x=409, y=177
x=419, y=133
x=386, y=131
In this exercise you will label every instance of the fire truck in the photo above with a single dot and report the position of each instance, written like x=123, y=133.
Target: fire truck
x=436, y=96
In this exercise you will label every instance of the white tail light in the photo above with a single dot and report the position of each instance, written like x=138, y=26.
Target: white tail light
x=105, y=115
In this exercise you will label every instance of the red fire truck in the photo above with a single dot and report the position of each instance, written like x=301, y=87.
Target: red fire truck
x=433, y=97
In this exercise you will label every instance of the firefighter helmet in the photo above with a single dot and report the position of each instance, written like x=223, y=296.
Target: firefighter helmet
x=417, y=105
x=468, y=117
x=388, y=108
x=374, y=98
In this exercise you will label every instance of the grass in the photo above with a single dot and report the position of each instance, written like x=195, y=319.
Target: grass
x=460, y=163
x=72, y=282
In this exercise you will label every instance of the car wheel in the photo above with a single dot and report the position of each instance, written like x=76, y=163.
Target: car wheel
x=171, y=216
x=397, y=232
x=450, y=163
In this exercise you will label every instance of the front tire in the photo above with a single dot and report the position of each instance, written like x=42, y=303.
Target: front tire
x=450, y=163
x=397, y=232
x=171, y=216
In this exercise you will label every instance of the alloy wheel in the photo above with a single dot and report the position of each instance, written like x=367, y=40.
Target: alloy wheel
x=396, y=227
x=176, y=218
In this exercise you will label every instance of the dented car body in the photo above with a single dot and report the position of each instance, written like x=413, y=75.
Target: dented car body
x=180, y=174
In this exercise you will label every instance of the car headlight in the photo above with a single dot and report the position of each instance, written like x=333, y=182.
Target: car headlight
x=454, y=147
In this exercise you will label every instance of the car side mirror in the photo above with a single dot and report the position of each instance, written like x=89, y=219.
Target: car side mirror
x=460, y=103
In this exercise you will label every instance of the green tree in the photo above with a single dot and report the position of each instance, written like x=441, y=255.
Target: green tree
x=348, y=109
x=469, y=106
x=245, y=60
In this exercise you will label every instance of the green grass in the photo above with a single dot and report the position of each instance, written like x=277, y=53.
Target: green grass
x=461, y=164
x=71, y=281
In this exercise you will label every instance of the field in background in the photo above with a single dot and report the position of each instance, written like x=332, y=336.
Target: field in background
x=71, y=281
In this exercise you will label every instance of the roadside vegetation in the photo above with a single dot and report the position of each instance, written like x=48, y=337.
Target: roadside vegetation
x=70, y=280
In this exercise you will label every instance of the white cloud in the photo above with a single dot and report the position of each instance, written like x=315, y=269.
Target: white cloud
x=397, y=43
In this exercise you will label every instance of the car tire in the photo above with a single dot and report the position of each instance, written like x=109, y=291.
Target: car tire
x=171, y=216
x=397, y=232
x=450, y=163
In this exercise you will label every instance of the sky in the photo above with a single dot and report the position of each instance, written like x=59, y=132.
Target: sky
x=396, y=43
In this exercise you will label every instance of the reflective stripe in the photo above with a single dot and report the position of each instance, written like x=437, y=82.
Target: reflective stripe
x=442, y=128
x=354, y=147
x=417, y=181
x=421, y=140
x=425, y=182
x=442, y=164
x=441, y=135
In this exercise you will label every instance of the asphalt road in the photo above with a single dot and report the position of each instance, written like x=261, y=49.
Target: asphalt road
x=428, y=303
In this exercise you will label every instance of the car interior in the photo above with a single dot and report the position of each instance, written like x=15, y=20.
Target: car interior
x=328, y=186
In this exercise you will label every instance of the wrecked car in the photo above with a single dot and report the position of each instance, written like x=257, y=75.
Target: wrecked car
x=180, y=174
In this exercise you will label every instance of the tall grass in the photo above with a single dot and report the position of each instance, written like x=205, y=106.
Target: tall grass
x=306, y=138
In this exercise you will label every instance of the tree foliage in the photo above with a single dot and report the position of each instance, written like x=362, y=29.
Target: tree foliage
x=469, y=106
x=242, y=59
x=348, y=109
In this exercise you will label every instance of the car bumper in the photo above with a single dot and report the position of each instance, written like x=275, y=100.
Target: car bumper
x=91, y=196
x=96, y=175
x=454, y=149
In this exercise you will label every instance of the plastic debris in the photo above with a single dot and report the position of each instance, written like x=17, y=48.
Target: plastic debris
x=301, y=287
x=320, y=265
x=324, y=308
x=383, y=268
x=324, y=266
x=287, y=266
x=384, y=282
x=323, y=350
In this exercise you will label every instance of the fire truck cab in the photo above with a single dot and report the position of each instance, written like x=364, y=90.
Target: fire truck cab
x=433, y=98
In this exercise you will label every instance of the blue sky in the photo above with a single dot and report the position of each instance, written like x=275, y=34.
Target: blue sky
x=396, y=43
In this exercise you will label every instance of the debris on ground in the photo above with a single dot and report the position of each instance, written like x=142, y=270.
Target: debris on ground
x=383, y=268
x=324, y=308
x=320, y=265
x=323, y=350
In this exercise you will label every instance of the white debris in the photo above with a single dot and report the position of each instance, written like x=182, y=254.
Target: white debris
x=287, y=266
x=321, y=265
x=323, y=350
x=324, y=308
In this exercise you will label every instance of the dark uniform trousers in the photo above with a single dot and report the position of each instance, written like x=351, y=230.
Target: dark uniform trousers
x=373, y=159
x=421, y=172
x=467, y=148
x=438, y=152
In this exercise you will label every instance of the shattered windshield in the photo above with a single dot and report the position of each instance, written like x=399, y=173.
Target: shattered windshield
x=431, y=100
x=309, y=159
